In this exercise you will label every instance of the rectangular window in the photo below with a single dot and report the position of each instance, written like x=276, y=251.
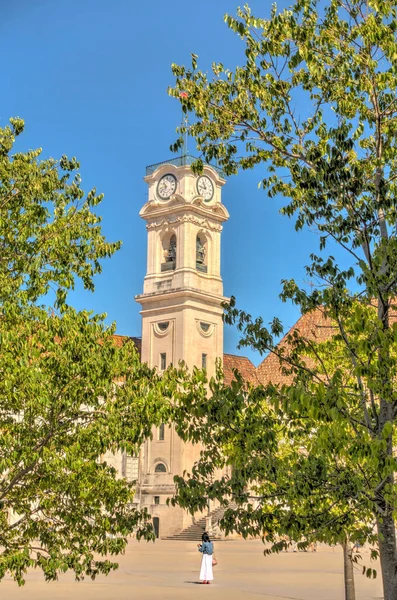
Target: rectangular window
x=163, y=361
x=157, y=499
x=131, y=465
x=203, y=361
x=161, y=432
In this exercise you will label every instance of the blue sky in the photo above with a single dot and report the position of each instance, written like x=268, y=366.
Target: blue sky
x=90, y=78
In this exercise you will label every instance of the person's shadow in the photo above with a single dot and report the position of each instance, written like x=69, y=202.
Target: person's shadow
x=193, y=582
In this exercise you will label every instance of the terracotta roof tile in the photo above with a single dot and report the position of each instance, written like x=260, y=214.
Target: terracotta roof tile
x=312, y=325
x=120, y=339
x=242, y=364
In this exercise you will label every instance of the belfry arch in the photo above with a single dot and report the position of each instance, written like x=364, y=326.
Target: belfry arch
x=168, y=251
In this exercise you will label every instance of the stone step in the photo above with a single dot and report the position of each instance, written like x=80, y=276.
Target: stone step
x=194, y=532
x=197, y=540
x=186, y=538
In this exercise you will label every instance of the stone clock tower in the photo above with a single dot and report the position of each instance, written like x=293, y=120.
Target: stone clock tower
x=181, y=309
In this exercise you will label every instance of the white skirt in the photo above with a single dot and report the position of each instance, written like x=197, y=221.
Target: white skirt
x=206, y=568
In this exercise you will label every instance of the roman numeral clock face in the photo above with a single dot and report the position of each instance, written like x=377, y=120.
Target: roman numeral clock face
x=166, y=186
x=205, y=187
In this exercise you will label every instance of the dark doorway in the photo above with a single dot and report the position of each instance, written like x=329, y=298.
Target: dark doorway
x=156, y=526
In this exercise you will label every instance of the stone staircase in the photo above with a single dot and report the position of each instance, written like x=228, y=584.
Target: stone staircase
x=194, y=532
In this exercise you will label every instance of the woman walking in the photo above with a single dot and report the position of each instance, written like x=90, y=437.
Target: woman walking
x=207, y=550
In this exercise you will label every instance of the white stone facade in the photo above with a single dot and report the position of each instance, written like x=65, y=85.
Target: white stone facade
x=181, y=315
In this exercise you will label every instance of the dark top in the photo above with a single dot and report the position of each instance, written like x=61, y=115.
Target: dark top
x=207, y=548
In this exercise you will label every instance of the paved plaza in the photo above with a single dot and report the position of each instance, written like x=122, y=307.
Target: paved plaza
x=169, y=570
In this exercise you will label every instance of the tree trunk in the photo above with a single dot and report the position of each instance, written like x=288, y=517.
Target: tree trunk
x=388, y=557
x=350, y=593
x=384, y=518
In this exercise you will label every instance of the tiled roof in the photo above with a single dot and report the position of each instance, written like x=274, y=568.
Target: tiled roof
x=312, y=325
x=242, y=364
x=120, y=339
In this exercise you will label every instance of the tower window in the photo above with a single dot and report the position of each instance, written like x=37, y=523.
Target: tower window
x=204, y=326
x=161, y=432
x=163, y=361
x=157, y=499
x=203, y=361
x=160, y=468
x=169, y=263
x=163, y=326
x=201, y=254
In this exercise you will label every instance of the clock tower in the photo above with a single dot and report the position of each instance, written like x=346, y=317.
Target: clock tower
x=181, y=309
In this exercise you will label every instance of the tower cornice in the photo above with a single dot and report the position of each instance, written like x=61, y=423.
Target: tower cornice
x=187, y=293
x=177, y=206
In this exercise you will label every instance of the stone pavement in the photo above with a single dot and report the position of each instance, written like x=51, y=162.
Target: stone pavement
x=169, y=570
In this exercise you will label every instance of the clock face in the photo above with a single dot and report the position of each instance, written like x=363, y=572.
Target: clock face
x=205, y=187
x=166, y=186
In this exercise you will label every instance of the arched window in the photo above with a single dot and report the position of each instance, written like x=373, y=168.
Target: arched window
x=201, y=253
x=169, y=253
x=161, y=432
x=160, y=468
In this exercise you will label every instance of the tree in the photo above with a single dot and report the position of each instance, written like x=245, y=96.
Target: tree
x=68, y=392
x=48, y=231
x=335, y=162
x=300, y=468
